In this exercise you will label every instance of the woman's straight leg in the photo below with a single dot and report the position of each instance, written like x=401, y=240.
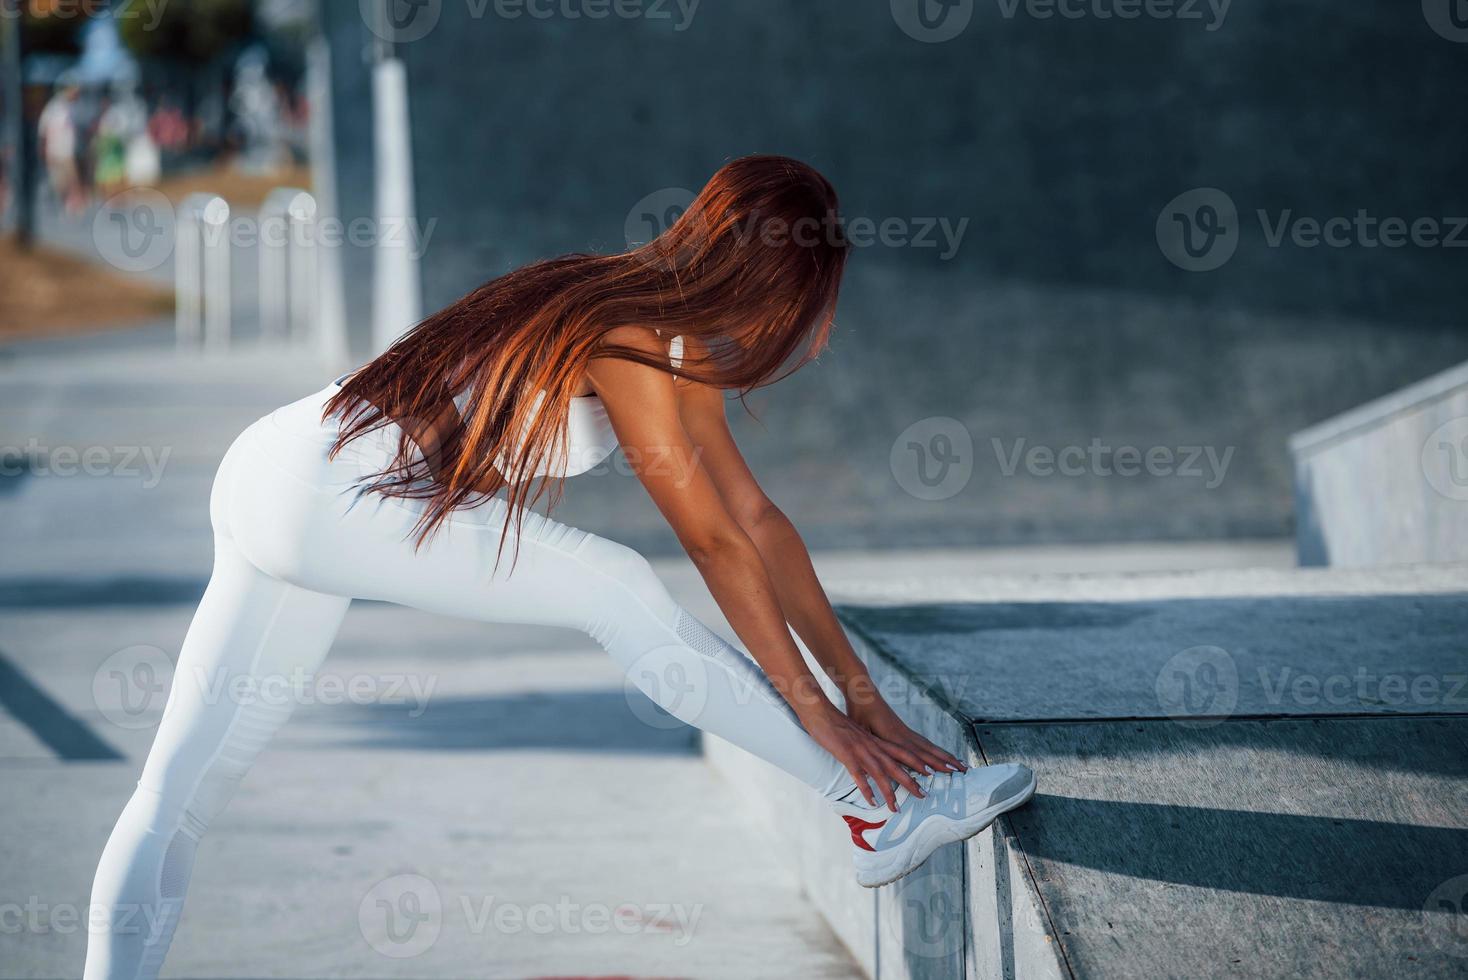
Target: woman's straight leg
x=252, y=640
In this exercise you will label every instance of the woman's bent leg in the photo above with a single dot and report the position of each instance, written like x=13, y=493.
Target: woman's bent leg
x=690, y=671
x=557, y=576
x=252, y=642
x=299, y=516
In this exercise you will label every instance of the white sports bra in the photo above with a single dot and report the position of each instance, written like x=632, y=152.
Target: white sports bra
x=589, y=436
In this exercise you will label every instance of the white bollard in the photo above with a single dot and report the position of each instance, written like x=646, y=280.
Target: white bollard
x=305, y=284
x=188, y=283
x=330, y=327
x=288, y=265
x=397, y=301
x=201, y=273
x=273, y=245
x=214, y=228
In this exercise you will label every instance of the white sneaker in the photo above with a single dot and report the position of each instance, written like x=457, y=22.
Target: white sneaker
x=957, y=806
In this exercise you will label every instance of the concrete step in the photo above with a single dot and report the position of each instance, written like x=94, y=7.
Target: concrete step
x=1257, y=775
x=1384, y=482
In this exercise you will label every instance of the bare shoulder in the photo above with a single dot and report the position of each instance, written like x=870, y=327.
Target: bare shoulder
x=663, y=346
x=628, y=386
x=643, y=339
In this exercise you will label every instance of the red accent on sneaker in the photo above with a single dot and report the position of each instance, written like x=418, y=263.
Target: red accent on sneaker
x=858, y=827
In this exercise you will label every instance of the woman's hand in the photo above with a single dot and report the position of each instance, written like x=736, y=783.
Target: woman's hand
x=865, y=755
x=877, y=717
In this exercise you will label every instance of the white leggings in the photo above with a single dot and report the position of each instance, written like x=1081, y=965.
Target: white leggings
x=294, y=543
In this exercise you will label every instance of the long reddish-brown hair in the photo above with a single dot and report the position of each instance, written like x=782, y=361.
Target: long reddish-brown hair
x=749, y=272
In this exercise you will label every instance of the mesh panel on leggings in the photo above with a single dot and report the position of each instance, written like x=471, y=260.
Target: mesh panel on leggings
x=699, y=636
x=741, y=668
x=178, y=863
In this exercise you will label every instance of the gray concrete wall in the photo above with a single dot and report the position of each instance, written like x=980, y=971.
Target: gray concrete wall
x=1387, y=483
x=1060, y=319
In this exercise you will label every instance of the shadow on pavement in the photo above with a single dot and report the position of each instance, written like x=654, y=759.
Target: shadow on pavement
x=1321, y=859
x=79, y=593
x=581, y=721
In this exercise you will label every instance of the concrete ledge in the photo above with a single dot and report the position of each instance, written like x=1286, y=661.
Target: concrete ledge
x=1387, y=483
x=971, y=911
x=1406, y=401
x=1241, y=784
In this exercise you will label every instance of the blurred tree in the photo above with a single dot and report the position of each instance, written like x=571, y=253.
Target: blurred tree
x=187, y=31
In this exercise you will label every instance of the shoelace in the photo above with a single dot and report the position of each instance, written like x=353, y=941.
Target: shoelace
x=939, y=783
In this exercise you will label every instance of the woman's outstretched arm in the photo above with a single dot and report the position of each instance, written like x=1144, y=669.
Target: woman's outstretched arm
x=643, y=407
x=801, y=597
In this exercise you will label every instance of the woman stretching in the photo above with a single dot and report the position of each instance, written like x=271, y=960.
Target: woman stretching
x=411, y=481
